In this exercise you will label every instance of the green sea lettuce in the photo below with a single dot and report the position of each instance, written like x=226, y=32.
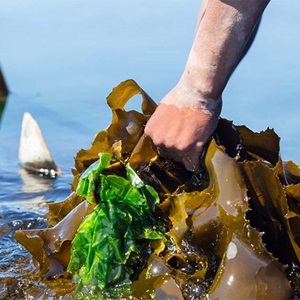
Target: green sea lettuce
x=120, y=226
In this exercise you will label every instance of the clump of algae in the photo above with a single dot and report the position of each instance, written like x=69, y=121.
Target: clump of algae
x=232, y=230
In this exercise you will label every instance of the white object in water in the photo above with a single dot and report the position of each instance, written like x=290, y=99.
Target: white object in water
x=34, y=155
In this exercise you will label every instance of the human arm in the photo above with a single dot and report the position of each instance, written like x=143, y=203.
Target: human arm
x=188, y=115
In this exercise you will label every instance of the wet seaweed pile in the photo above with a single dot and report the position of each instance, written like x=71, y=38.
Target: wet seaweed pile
x=232, y=231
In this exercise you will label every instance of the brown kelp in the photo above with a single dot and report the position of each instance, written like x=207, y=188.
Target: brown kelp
x=231, y=231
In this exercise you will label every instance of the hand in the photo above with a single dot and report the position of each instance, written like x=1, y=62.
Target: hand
x=182, y=123
x=188, y=115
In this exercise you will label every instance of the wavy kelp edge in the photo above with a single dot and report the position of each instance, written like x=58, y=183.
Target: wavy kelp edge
x=126, y=127
x=237, y=144
x=213, y=221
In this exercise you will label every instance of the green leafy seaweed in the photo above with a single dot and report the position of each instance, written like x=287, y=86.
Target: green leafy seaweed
x=119, y=227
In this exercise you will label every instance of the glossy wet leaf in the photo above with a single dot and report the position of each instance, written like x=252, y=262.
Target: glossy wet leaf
x=271, y=210
x=291, y=172
x=263, y=145
x=51, y=247
x=59, y=210
x=125, y=126
x=119, y=227
x=232, y=230
x=214, y=221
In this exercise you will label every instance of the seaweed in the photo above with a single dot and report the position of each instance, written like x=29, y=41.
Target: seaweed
x=120, y=227
x=231, y=231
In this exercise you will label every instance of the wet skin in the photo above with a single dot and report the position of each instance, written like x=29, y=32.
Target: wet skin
x=188, y=115
x=182, y=134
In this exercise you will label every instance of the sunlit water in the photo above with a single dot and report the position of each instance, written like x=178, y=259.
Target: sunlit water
x=62, y=58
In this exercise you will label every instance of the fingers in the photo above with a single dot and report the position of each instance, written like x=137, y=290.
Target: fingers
x=190, y=159
x=179, y=133
x=191, y=163
x=167, y=145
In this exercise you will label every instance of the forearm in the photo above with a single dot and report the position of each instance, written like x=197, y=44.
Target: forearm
x=222, y=33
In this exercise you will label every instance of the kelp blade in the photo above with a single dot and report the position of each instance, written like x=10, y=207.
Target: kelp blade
x=215, y=223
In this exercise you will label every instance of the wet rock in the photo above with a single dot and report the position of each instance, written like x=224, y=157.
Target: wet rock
x=34, y=155
x=3, y=86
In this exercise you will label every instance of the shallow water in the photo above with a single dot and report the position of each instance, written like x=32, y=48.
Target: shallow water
x=61, y=60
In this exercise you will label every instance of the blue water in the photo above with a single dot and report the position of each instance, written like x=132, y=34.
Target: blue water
x=62, y=58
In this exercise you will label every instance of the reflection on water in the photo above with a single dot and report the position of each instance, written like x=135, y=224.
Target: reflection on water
x=2, y=105
x=33, y=183
x=23, y=199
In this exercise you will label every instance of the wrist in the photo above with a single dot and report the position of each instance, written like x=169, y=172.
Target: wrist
x=202, y=83
x=188, y=96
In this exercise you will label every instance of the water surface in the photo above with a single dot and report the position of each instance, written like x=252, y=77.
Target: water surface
x=61, y=60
